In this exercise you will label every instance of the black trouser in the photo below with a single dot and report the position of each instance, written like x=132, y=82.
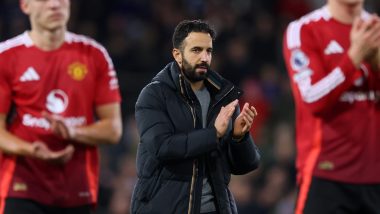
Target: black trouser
x=327, y=197
x=26, y=206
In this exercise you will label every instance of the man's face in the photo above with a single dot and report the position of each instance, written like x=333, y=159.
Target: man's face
x=47, y=14
x=196, y=56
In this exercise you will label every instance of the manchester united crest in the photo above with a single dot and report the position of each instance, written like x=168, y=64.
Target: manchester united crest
x=77, y=71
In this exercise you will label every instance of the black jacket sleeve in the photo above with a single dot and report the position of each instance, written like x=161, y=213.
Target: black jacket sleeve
x=243, y=155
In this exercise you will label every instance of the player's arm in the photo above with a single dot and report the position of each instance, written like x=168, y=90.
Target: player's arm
x=11, y=144
x=316, y=87
x=106, y=130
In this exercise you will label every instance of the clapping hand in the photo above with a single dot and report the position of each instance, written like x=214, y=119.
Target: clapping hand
x=365, y=39
x=243, y=122
x=42, y=152
x=223, y=118
x=59, y=127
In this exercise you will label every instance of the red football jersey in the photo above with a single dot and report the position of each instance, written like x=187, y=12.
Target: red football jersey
x=71, y=82
x=337, y=105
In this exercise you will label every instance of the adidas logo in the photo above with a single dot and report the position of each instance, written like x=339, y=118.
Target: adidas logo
x=333, y=48
x=30, y=75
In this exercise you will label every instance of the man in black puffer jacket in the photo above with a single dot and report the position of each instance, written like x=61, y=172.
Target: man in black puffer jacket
x=192, y=133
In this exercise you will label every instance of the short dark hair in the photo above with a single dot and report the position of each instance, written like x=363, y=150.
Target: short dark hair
x=187, y=26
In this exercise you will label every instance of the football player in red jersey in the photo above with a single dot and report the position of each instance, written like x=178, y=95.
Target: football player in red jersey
x=336, y=92
x=57, y=82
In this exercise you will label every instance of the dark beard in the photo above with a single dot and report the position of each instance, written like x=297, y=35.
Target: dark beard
x=191, y=74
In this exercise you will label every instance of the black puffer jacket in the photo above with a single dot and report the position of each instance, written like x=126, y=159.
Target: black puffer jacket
x=174, y=149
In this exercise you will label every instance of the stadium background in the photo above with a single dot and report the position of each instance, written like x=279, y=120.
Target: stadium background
x=137, y=34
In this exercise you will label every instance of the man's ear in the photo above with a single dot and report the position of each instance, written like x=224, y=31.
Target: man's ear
x=24, y=6
x=177, y=56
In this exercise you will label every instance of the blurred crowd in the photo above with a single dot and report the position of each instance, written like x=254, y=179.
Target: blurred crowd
x=137, y=34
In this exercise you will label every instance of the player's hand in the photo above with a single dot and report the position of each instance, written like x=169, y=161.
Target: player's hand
x=243, y=122
x=42, y=152
x=374, y=59
x=223, y=118
x=59, y=127
x=365, y=38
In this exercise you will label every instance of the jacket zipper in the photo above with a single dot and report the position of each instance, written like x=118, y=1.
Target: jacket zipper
x=195, y=162
x=195, y=169
x=193, y=179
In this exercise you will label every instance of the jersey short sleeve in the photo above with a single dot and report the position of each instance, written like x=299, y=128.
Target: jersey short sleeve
x=107, y=86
